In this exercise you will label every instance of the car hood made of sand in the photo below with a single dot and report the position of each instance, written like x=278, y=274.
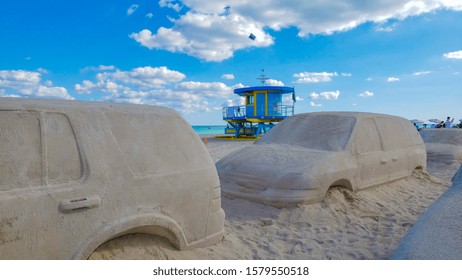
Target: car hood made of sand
x=261, y=166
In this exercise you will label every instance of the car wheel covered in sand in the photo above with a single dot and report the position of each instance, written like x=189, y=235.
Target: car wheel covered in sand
x=301, y=157
x=76, y=174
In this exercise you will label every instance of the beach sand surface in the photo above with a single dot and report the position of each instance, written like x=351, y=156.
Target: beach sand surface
x=346, y=225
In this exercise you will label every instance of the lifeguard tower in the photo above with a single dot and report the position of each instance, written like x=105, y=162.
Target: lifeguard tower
x=263, y=108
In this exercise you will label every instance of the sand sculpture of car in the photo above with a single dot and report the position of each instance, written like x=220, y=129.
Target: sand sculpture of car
x=301, y=157
x=76, y=174
x=443, y=144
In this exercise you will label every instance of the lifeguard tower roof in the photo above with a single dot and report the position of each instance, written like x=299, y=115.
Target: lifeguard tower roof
x=250, y=90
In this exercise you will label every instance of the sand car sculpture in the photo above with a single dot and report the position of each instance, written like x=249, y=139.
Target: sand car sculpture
x=76, y=174
x=301, y=157
x=443, y=144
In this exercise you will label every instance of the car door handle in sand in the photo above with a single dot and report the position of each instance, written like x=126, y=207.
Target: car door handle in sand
x=81, y=203
x=394, y=159
x=383, y=161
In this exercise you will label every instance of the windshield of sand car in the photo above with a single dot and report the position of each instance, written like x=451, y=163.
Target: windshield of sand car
x=317, y=132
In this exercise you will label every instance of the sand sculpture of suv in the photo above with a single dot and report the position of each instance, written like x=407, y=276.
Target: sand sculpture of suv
x=76, y=174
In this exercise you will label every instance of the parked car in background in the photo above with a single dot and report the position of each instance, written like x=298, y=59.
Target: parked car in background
x=299, y=159
x=443, y=145
x=76, y=174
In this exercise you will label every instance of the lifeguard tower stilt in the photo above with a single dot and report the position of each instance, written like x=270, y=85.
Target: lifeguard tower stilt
x=263, y=108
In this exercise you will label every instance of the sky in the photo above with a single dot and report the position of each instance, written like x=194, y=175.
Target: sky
x=396, y=57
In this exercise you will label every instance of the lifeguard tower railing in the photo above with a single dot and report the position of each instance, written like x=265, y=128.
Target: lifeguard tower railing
x=239, y=113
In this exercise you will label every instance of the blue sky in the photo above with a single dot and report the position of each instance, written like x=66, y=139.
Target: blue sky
x=397, y=57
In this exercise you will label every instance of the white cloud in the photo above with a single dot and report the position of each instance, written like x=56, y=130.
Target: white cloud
x=314, y=104
x=28, y=84
x=288, y=98
x=210, y=37
x=227, y=76
x=172, y=4
x=234, y=102
x=17, y=78
x=148, y=76
x=158, y=86
x=207, y=89
x=104, y=85
x=99, y=68
x=56, y=92
x=386, y=27
x=452, y=4
x=132, y=9
x=42, y=70
x=328, y=95
x=366, y=94
x=4, y=94
x=393, y=79
x=271, y=82
x=141, y=78
x=149, y=15
x=164, y=39
x=207, y=32
x=322, y=17
x=421, y=73
x=314, y=77
x=182, y=101
x=454, y=55
x=85, y=88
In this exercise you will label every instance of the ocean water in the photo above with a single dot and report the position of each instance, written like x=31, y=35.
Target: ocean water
x=209, y=129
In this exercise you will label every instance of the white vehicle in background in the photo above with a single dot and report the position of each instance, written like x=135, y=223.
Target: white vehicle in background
x=443, y=145
x=74, y=175
x=299, y=159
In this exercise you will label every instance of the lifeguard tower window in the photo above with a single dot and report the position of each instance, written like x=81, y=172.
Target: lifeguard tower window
x=250, y=100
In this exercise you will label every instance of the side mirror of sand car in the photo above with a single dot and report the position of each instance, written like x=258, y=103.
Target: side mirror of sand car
x=74, y=175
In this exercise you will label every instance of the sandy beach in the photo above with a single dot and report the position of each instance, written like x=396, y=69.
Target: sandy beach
x=346, y=225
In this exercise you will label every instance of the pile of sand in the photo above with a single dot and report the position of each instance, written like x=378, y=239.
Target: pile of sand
x=345, y=225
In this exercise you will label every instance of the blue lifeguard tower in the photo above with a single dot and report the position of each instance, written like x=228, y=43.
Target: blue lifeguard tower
x=263, y=108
